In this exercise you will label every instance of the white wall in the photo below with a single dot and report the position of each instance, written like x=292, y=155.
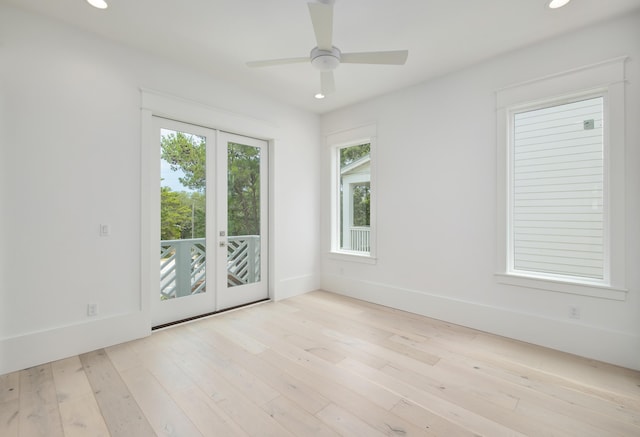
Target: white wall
x=70, y=150
x=436, y=196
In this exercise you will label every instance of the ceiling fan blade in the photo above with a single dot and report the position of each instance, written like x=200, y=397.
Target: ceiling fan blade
x=396, y=57
x=272, y=62
x=327, y=82
x=322, y=19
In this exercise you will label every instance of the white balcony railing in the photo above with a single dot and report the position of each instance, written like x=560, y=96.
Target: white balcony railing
x=360, y=238
x=243, y=260
x=183, y=264
x=182, y=267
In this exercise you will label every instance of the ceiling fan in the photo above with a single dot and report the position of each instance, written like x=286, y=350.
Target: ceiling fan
x=326, y=57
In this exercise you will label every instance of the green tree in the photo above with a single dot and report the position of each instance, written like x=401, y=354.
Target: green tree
x=353, y=153
x=187, y=153
x=243, y=190
x=198, y=203
x=175, y=214
x=361, y=205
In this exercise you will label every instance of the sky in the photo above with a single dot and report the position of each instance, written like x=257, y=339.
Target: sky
x=170, y=177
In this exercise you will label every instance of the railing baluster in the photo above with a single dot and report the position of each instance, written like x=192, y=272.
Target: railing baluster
x=360, y=238
x=183, y=270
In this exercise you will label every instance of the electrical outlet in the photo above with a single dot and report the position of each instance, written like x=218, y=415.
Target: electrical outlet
x=92, y=309
x=574, y=312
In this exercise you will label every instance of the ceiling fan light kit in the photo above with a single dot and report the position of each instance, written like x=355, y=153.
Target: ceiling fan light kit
x=325, y=57
x=325, y=60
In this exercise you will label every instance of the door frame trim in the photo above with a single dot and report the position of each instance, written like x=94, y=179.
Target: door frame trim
x=156, y=103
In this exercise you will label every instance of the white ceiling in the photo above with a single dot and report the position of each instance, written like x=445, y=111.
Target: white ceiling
x=219, y=36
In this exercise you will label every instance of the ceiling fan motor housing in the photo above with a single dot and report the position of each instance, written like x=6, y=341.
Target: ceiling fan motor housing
x=325, y=60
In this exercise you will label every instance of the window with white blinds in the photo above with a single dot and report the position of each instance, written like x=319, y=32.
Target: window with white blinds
x=557, y=215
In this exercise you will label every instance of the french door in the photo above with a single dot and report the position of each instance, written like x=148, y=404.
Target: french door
x=213, y=221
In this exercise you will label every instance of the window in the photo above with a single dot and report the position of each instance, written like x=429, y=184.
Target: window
x=561, y=216
x=353, y=192
x=557, y=221
x=355, y=197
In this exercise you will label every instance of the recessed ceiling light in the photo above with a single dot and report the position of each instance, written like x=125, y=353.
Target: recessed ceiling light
x=100, y=4
x=319, y=96
x=555, y=4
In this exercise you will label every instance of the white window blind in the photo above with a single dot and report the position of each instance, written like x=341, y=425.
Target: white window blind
x=558, y=190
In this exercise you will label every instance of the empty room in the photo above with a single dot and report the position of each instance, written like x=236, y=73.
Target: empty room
x=319, y=217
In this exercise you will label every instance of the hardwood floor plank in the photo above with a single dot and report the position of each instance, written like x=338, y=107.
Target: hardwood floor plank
x=436, y=403
x=210, y=419
x=545, y=391
x=298, y=421
x=432, y=424
x=235, y=404
x=205, y=414
x=374, y=339
x=123, y=356
x=347, y=424
x=39, y=413
x=9, y=418
x=159, y=408
x=78, y=407
x=597, y=385
x=476, y=404
x=320, y=369
x=9, y=387
x=9, y=404
x=287, y=385
x=235, y=373
x=118, y=406
x=342, y=395
x=308, y=334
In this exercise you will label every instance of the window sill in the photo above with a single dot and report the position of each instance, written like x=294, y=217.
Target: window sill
x=353, y=257
x=583, y=289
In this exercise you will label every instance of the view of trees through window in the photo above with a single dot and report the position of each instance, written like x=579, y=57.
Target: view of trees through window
x=183, y=203
x=243, y=189
x=361, y=192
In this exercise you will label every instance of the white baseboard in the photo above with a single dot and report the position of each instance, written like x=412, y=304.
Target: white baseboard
x=593, y=342
x=37, y=348
x=295, y=286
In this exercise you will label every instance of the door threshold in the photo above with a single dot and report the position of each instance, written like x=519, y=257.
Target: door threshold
x=213, y=313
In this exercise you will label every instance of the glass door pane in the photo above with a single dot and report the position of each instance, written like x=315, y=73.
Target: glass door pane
x=243, y=220
x=182, y=214
x=243, y=214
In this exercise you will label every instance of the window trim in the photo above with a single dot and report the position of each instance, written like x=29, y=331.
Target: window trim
x=606, y=79
x=335, y=142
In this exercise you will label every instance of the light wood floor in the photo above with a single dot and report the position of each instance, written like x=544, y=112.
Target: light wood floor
x=321, y=365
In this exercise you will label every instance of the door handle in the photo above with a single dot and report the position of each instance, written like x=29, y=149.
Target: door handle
x=222, y=244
